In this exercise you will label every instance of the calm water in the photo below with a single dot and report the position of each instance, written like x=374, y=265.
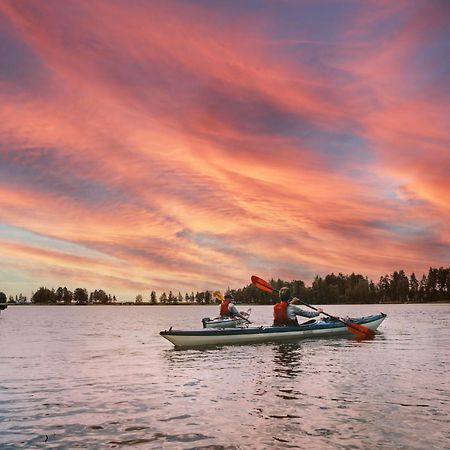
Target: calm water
x=102, y=377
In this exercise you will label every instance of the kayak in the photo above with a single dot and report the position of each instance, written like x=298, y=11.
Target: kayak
x=312, y=328
x=251, y=335
x=226, y=322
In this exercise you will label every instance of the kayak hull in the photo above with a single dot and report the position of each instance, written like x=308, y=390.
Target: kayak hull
x=251, y=335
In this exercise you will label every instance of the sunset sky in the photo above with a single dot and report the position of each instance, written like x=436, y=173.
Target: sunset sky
x=186, y=145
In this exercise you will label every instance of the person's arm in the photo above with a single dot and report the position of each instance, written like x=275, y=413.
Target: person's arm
x=301, y=312
x=234, y=311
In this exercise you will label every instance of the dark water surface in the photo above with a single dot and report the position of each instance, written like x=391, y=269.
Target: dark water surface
x=102, y=377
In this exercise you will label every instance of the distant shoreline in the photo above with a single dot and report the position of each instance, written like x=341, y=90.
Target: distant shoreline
x=438, y=302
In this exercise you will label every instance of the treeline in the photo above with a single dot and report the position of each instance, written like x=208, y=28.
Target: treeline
x=17, y=299
x=79, y=296
x=203, y=298
x=336, y=289
x=332, y=289
x=356, y=288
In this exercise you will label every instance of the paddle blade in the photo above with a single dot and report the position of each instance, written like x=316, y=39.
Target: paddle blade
x=360, y=330
x=262, y=284
x=218, y=296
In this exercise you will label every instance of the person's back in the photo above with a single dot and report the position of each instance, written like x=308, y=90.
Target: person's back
x=280, y=310
x=280, y=316
x=285, y=312
x=224, y=309
x=228, y=308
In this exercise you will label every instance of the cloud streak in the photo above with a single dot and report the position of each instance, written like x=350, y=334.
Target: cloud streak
x=189, y=145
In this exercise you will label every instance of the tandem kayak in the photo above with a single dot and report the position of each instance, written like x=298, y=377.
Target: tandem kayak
x=251, y=335
x=226, y=322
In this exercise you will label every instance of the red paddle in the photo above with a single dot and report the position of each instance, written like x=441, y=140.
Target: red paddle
x=360, y=330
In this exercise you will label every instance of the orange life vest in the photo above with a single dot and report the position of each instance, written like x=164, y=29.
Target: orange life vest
x=224, y=309
x=280, y=317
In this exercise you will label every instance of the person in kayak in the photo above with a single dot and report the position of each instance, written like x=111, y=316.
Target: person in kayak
x=228, y=308
x=285, y=312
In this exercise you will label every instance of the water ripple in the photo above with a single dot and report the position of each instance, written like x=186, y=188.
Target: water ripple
x=92, y=378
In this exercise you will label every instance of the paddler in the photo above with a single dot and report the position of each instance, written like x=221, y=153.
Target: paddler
x=285, y=312
x=228, y=308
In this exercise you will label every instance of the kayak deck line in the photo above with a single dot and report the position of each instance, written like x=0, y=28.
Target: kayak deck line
x=211, y=336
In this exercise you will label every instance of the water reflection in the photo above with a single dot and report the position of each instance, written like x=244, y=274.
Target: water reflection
x=287, y=360
x=132, y=389
x=188, y=357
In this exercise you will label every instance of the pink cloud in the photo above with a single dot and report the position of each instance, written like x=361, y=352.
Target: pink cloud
x=199, y=146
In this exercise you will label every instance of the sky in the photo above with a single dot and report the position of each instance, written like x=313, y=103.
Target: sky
x=187, y=145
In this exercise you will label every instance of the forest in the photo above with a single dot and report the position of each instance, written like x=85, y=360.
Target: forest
x=331, y=289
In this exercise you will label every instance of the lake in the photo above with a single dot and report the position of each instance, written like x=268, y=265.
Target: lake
x=102, y=377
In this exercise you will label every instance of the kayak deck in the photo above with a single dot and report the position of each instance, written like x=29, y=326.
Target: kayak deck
x=227, y=322
x=205, y=337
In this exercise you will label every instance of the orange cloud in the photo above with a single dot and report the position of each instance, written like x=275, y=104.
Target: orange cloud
x=190, y=150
